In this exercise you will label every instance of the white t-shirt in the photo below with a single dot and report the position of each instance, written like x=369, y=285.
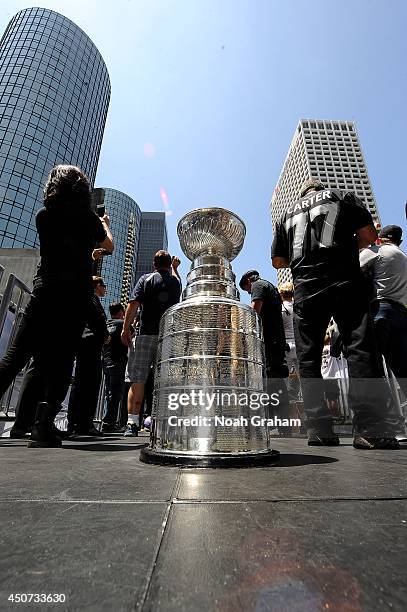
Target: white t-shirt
x=388, y=265
x=333, y=367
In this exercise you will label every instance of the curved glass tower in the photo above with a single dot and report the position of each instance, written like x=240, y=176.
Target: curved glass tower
x=54, y=97
x=118, y=270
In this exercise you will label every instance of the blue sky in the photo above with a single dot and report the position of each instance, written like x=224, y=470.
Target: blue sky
x=206, y=96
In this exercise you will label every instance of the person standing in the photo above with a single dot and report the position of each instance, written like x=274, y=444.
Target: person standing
x=266, y=301
x=154, y=293
x=286, y=291
x=319, y=238
x=88, y=370
x=55, y=317
x=387, y=266
x=332, y=370
x=114, y=367
x=30, y=393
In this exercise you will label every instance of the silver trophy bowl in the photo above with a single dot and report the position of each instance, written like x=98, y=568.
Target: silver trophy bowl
x=210, y=345
x=206, y=231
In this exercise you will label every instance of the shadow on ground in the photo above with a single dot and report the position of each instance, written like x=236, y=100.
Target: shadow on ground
x=104, y=447
x=292, y=460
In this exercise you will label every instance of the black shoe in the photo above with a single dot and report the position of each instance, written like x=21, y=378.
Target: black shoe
x=85, y=431
x=43, y=433
x=64, y=435
x=323, y=440
x=40, y=440
x=112, y=428
x=375, y=443
x=92, y=431
x=17, y=433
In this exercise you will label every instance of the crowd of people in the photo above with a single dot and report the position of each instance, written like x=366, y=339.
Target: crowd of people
x=344, y=312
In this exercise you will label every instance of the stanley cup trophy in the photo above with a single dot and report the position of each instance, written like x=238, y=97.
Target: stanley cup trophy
x=210, y=358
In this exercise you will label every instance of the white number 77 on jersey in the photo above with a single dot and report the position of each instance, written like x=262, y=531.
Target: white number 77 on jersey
x=300, y=222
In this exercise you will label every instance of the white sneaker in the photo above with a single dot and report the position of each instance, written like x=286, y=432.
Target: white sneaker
x=131, y=430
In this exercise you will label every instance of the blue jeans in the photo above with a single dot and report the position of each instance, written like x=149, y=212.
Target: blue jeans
x=390, y=321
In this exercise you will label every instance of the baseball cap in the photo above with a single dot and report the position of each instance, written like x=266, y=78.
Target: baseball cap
x=394, y=232
x=314, y=183
x=247, y=275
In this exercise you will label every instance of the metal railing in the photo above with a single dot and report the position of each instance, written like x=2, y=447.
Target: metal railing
x=13, y=302
x=100, y=408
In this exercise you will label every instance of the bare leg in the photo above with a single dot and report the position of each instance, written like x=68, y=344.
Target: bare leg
x=135, y=398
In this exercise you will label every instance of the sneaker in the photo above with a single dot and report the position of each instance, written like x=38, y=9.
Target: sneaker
x=323, y=440
x=375, y=443
x=131, y=430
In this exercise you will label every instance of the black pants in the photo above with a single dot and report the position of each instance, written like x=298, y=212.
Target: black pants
x=390, y=321
x=18, y=354
x=114, y=385
x=28, y=398
x=49, y=332
x=369, y=394
x=276, y=373
x=331, y=389
x=85, y=390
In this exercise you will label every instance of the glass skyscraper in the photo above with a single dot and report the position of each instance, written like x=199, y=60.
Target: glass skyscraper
x=153, y=237
x=54, y=97
x=118, y=270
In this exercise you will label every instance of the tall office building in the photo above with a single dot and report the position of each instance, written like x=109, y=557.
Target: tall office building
x=54, y=97
x=119, y=269
x=153, y=237
x=329, y=151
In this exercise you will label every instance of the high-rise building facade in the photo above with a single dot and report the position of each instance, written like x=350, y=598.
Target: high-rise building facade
x=54, y=97
x=329, y=151
x=153, y=237
x=119, y=269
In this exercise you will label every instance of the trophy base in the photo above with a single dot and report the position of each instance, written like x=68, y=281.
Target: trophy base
x=221, y=460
